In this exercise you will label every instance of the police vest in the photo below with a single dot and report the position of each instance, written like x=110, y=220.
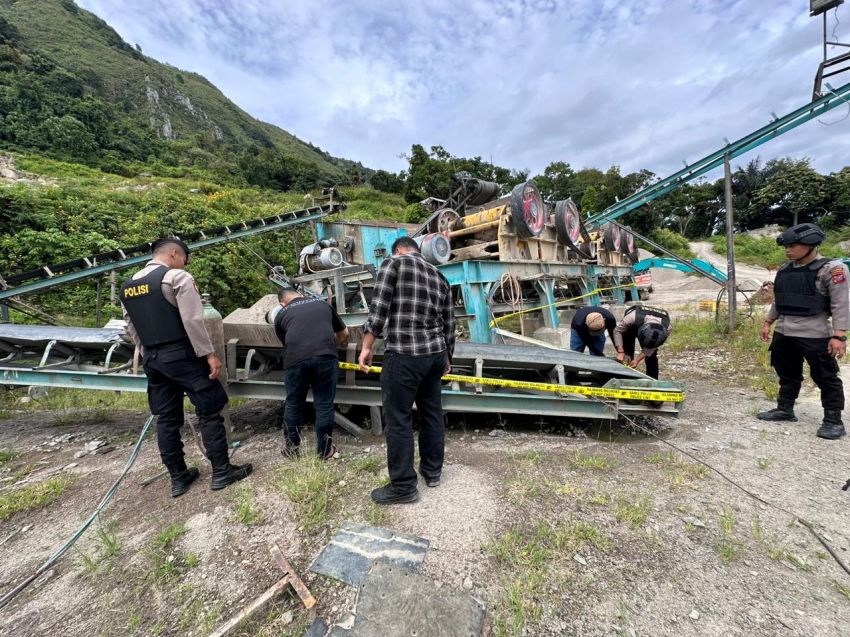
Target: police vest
x=795, y=292
x=641, y=312
x=157, y=321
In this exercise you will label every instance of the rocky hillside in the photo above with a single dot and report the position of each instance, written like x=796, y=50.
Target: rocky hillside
x=69, y=83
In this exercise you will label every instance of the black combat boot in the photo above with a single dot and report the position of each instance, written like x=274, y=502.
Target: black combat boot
x=831, y=428
x=784, y=411
x=182, y=480
x=225, y=473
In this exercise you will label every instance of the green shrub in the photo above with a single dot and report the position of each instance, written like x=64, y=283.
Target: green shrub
x=673, y=241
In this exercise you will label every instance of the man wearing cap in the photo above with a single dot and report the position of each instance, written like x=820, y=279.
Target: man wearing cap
x=588, y=329
x=650, y=327
x=811, y=310
x=164, y=317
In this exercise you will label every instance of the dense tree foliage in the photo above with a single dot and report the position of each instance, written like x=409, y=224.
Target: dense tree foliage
x=777, y=192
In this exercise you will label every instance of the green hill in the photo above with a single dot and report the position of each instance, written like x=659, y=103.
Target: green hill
x=69, y=85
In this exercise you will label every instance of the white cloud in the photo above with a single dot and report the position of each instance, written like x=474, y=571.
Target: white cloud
x=639, y=84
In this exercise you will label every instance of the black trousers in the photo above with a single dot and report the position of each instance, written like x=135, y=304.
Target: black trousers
x=786, y=356
x=406, y=380
x=629, y=341
x=175, y=370
x=319, y=373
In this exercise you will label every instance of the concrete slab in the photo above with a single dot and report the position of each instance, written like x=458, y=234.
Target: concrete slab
x=398, y=601
x=355, y=547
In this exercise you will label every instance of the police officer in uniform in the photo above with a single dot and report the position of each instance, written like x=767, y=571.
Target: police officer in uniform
x=808, y=290
x=650, y=326
x=164, y=316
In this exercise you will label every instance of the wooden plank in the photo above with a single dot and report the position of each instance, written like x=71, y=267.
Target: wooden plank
x=300, y=588
x=252, y=609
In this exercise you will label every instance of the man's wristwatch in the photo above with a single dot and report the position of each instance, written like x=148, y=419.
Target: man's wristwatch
x=843, y=339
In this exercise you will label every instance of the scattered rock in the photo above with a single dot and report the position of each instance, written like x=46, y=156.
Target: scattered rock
x=342, y=483
x=102, y=450
x=24, y=400
x=81, y=453
x=94, y=445
x=694, y=614
x=496, y=433
x=46, y=576
x=467, y=583
x=693, y=521
x=578, y=558
x=36, y=392
x=287, y=618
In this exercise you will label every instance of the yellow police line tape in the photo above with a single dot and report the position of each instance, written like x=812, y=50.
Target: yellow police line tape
x=560, y=302
x=599, y=392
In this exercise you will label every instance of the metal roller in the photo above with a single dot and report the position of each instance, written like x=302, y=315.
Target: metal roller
x=527, y=210
x=611, y=237
x=627, y=241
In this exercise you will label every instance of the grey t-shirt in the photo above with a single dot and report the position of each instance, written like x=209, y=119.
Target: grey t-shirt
x=307, y=328
x=832, y=280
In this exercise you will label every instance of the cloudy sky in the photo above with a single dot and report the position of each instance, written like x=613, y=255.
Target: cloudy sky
x=642, y=84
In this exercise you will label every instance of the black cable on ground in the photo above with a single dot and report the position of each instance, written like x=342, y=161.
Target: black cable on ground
x=58, y=553
x=754, y=496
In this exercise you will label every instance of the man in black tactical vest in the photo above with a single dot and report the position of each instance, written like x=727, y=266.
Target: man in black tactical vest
x=811, y=310
x=164, y=316
x=650, y=326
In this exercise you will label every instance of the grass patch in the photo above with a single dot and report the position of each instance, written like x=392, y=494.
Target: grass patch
x=311, y=486
x=680, y=471
x=728, y=546
x=245, y=509
x=531, y=457
x=74, y=417
x=165, y=561
x=633, y=511
x=107, y=543
x=369, y=464
x=764, y=463
x=7, y=455
x=34, y=496
x=73, y=401
x=749, y=359
x=532, y=560
x=842, y=588
x=581, y=460
x=376, y=515
x=728, y=549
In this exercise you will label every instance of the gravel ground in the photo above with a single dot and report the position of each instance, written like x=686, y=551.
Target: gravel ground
x=704, y=560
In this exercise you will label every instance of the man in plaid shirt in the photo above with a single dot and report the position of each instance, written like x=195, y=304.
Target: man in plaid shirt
x=413, y=305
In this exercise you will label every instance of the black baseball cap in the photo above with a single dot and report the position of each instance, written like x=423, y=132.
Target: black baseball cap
x=156, y=245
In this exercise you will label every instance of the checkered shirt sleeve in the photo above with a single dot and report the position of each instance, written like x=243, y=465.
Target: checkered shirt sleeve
x=412, y=307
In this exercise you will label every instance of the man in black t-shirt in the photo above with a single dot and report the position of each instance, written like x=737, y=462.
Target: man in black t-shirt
x=311, y=332
x=588, y=329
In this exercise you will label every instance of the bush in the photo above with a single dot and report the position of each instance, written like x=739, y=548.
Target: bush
x=763, y=251
x=673, y=241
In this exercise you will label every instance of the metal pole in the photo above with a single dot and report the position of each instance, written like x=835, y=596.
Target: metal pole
x=824, y=36
x=731, y=287
x=99, y=303
x=4, y=313
x=112, y=288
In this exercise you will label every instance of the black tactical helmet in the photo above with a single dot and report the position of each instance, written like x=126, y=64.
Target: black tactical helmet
x=806, y=233
x=651, y=335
